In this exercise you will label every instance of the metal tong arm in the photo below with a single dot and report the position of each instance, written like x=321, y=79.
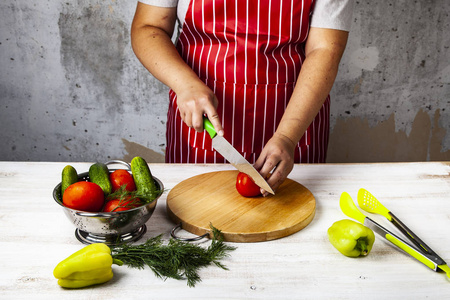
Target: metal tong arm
x=431, y=261
x=414, y=238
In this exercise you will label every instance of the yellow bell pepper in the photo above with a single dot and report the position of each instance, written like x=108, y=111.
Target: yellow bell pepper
x=88, y=266
x=351, y=238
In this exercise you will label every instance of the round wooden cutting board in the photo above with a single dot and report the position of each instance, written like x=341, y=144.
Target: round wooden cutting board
x=212, y=198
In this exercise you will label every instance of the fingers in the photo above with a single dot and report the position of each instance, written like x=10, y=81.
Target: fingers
x=275, y=162
x=265, y=164
x=197, y=122
x=212, y=115
x=277, y=177
x=187, y=118
x=276, y=171
x=194, y=106
x=279, y=174
x=214, y=119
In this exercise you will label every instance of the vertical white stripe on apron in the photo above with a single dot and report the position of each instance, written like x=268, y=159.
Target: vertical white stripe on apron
x=246, y=41
x=210, y=42
x=298, y=38
x=291, y=25
x=256, y=79
x=278, y=70
x=307, y=153
x=202, y=46
x=285, y=62
x=300, y=32
x=188, y=154
x=225, y=58
x=267, y=75
x=220, y=44
x=319, y=134
x=181, y=138
x=206, y=77
x=170, y=127
x=291, y=40
x=245, y=77
x=175, y=130
x=199, y=60
x=313, y=139
x=189, y=56
x=234, y=71
x=215, y=73
x=296, y=74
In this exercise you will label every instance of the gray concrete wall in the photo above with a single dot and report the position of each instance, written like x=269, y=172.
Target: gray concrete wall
x=71, y=88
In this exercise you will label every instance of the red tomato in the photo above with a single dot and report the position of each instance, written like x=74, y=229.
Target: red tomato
x=122, y=204
x=85, y=196
x=122, y=177
x=246, y=186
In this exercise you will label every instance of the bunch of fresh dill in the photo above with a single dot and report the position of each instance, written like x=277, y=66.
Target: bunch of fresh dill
x=176, y=259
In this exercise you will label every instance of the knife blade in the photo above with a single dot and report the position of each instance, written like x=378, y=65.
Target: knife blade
x=234, y=157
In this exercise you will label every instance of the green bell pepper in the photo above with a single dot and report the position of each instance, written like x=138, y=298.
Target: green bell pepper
x=351, y=238
x=88, y=266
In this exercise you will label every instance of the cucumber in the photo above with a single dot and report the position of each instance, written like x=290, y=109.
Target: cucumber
x=99, y=174
x=145, y=184
x=69, y=176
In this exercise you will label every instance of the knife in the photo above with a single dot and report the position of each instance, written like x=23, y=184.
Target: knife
x=234, y=157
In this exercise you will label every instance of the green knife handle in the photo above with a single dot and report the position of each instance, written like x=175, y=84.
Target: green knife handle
x=209, y=127
x=411, y=251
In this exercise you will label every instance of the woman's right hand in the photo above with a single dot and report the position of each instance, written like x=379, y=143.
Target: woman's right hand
x=196, y=100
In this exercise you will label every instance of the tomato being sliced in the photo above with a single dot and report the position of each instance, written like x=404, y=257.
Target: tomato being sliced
x=85, y=196
x=246, y=186
x=122, y=177
x=127, y=203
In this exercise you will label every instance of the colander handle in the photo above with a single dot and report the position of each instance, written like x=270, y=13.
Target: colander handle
x=120, y=162
x=176, y=228
x=88, y=214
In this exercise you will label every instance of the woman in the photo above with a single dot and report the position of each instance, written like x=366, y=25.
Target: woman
x=261, y=71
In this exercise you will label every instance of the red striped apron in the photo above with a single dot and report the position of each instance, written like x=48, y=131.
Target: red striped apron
x=250, y=54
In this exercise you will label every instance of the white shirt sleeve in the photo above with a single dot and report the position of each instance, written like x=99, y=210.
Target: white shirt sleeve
x=160, y=3
x=333, y=14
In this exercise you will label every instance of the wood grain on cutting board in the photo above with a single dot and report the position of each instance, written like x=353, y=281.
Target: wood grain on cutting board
x=211, y=198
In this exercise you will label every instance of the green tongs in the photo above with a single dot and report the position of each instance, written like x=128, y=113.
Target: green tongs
x=417, y=249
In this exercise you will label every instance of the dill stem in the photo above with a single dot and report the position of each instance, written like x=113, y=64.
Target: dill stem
x=177, y=260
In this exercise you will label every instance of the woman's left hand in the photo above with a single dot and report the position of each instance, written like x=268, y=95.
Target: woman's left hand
x=277, y=155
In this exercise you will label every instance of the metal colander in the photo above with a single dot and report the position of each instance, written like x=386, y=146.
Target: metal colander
x=109, y=227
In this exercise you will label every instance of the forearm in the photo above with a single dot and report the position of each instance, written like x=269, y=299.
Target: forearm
x=157, y=53
x=151, y=34
x=314, y=83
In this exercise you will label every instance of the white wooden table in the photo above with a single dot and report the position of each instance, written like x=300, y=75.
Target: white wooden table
x=35, y=235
